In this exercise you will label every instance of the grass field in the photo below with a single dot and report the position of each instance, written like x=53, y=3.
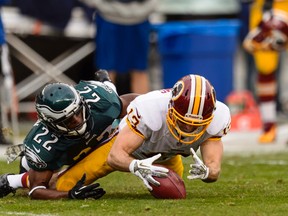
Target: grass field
x=252, y=185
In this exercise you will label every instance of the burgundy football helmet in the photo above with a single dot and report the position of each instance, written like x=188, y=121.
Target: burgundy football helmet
x=191, y=108
x=270, y=34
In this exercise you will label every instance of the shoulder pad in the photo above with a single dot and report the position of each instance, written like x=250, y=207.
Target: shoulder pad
x=220, y=124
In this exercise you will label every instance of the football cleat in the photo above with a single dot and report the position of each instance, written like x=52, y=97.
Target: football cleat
x=102, y=76
x=268, y=136
x=5, y=188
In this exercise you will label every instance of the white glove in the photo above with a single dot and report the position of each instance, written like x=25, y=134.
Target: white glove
x=13, y=152
x=199, y=170
x=145, y=170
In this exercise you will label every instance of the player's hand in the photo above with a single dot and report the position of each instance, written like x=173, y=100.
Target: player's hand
x=145, y=171
x=102, y=76
x=13, y=152
x=79, y=191
x=198, y=170
x=269, y=34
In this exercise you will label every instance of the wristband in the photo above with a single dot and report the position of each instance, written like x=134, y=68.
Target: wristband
x=36, y=188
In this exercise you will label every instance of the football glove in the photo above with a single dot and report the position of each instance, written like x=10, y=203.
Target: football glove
x=145, y=171
x=102, y=76
x=79, y=191
x=13, y=152
x=198, y=170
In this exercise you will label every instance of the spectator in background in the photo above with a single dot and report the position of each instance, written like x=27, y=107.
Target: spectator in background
x=6, y=77
x=266, y=39
x=122, y=39
x=244, y=17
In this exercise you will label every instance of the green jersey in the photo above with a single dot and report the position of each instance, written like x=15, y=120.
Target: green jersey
x=45, y=150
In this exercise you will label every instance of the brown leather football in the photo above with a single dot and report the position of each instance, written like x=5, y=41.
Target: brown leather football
x=171, y=187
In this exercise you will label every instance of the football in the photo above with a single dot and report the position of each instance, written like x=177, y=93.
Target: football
x=171, y=187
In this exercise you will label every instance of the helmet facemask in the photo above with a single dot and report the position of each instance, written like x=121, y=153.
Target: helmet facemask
x=79, y=127
x=177, y=125
x=191, y=108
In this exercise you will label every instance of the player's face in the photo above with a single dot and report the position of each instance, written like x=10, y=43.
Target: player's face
x=185, y=127
x=75, y=120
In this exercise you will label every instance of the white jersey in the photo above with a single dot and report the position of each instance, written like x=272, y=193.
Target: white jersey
x=147, y=117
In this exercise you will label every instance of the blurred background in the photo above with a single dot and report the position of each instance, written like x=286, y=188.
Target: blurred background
x=54, y=40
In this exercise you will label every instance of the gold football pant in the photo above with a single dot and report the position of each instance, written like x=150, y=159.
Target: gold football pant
x=94, y=165
x=175, y=163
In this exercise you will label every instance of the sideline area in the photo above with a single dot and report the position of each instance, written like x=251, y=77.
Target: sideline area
x=246, y=142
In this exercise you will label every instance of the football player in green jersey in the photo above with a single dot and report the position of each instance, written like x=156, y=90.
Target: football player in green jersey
x=75, y=129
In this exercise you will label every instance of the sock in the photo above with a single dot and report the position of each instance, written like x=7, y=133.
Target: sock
x=267, y=89
x=18, y=180
x=268, y=112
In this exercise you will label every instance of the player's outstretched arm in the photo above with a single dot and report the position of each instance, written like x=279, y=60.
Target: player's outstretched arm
x=39, y=188
x=209, y=169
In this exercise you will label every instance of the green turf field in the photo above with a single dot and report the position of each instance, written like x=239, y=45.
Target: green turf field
x=251, y=185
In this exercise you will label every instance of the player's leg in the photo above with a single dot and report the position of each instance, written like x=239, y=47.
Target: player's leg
x=266, y=64
x=138, y=54
x=94, y=165
x=137, y=86
x=9, y=182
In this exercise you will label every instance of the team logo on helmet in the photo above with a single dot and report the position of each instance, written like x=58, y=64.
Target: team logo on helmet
x=177, y=90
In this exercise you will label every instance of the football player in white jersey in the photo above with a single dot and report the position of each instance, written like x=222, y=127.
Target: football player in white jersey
x=164, y=125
